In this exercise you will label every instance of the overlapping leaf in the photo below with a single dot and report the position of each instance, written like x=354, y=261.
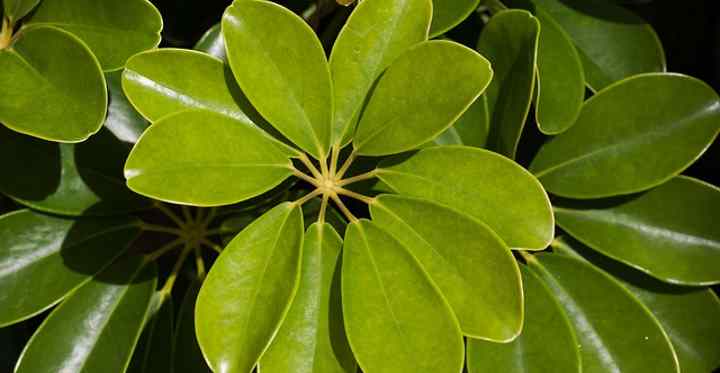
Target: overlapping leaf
x=448, y=13
x=16, y=9
x=153, y=352
x=186, y=353
x=122, y=120
x=212, y=43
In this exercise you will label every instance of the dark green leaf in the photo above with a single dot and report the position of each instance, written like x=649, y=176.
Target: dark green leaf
x=473, y=126
x=212, y=43
x=186, y=356
x=449, y=13
x=16, y=9
x=153, y=352
x=122, y=119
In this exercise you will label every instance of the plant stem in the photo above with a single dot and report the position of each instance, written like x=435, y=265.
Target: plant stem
x=343, y=208
x=217, y=232
x=346, y=165
x=160, y=228
x=169, y=213
x=305, y=177
x=308, y=197
x=211, y=245
x=528, y=257
x=210, y=217
x=170, y=282
x=334, y=155
x=323, y=208
x=199, y=264
x=186, y=213
x=308, y=163
x=6, y=33
x=164, y=249
x=357, y=196
x=357, y=178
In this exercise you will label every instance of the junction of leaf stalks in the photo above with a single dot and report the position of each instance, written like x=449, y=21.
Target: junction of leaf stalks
x=6, y=33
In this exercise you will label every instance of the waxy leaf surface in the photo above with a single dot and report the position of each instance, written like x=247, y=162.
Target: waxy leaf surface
x=395, y=318
x=54, y=255
x=449, y=13
x=248, y=291
x=203, y=158
x=547, y=342
x=122, y=119
x=312, y=338
x=630, y=137
x=280, y=65
x=51, y=69
x=510, y=42
x=212, y=43
x=99, y=324
x=186, y=353
x=471, y=265
x=114, y=30
x=377, y=32
x=482, y=184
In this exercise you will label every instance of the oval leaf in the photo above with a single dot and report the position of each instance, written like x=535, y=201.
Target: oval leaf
x=122, y=119
x=482, y=184
x=51, y=69
x=473, y=126
x=16, y=9
x=204, y=159
x=186, y=354
x=471, y=266
x=281, y=66
x=449, y=13
x=395, y=318
x=615, y=331
x=114, y=30
x=405, y=109
x=312, y=336
x=625, y=128
x=510, y=42
x=99, y=324
x=54, y=255
x=249, y=289
x=547, y=342
x=377, y=32
x=212, y=43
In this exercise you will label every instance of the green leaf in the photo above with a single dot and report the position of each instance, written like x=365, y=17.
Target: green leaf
x=186, y=355
x=613, y=42
x=482, y=184
x=395, y=318
x=473, y=126
x=249, y=290
x=153, y=352
x=212, y=43
x=510, y=42
x=471, y=265
x=195, y=81
x=16, y=9
x=280, y=65
x=449, y=13
x=669, y=232
x=51, y=69
x=98, y=325
x=547, y=342
x=114, y=30
x=67, y=179
x=377, y=32
x=630, y=137
x=405, y=109
x=205, y=159
x=122, y=119
x=616, y=333
x=54, y=256
x=312, y=336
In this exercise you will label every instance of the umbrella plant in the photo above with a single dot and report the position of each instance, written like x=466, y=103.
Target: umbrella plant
x=362, y=204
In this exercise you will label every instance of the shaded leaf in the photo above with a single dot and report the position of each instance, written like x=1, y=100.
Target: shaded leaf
x=449, y=13
x=186, y=355
x=122, y=120
x=153, y=352
x=473, y=126
x=16, y=9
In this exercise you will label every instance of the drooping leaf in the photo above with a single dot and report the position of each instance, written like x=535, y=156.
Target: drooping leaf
x=449, y=13
x=153, y=352
x=395, y=318
x=510, y=42
x=51, y=69
x=122, y=120
x=67, y=179
x=669, y=232
x=405, y=109
x=186, y=354
x=312, y=338
x=616, y=333
x=280, y=65
x=114, y=30
x=212, y=43
x=630, y=137
x=54, y=256
x=613, y=42
x=249, y=290
x=547, y=342
x=471, y=265
x=99, y=323
x=377, y=32
x=482, y=184
x=16, y=9
x=204, y=158
x=473, y=126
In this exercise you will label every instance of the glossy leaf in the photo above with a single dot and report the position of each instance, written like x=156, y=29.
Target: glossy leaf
x=449, y=13
x=613, y=42
x=616, y=333
x=16, y=9
x=377, y=32
x=312, y=336
x=54, y=256
x=482, y=184
x=473, y=126
x=630, y=138
x=547, y=342
x=249, y=289
x=405, y=110
x=114, y=30
x=280, y=65
x=205, y=159
x=395, y=318
x=99, y=324
x=471, y=265
x=186, y=354
x=212, y=43
x=510, y=42
x=67, y=179
x=51, y=69
x=122, y=120
x=153, y=352
x=165, y=81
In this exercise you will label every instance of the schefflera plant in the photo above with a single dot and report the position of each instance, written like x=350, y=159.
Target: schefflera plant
x=396, y=292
